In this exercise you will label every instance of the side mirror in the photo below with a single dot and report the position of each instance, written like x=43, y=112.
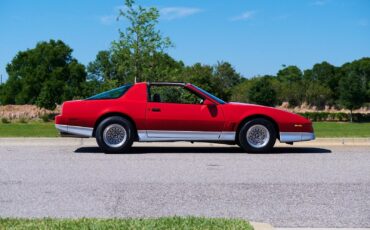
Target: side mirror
x=208, y=103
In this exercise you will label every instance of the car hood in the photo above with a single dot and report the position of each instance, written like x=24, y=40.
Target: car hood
x=275, y=112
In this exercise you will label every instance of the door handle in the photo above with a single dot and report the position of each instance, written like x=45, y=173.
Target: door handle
x=156, y=109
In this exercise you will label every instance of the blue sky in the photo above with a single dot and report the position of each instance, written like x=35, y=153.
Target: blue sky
x=256, y=36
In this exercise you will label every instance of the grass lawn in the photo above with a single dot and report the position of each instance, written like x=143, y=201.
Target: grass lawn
x=341, y=129
x=32, y=129
x=159, y=223
x=322, y=129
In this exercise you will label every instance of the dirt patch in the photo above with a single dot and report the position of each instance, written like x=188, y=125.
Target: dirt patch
x=329, y=109
x=29, y=112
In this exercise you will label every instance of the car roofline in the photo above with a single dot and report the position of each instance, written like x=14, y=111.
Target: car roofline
x=168, y=83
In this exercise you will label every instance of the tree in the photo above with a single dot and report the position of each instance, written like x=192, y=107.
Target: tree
x=101, y=74
x=262, y=92
x=227, y=77
x=324, y=78
x=325, y=74
x=362, y=69
x=44, y=75
x=240, y=91
x=108, y=70
x=204, y=77
x=165, y=68
x=102, y=69
x=200, y=75
x=352, y=91
x=139, y=42
x=291, y=85
x=316, y=92
x=1, y=93
x=290, y=75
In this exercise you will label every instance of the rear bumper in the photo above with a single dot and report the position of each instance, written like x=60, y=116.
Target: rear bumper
x=296, y=136
x=75, y=130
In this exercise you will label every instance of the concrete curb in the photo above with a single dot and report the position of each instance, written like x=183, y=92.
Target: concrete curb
x=322, y=228
x=265, y=226
x=261, y=226
x=350, y=141
x=91, y=141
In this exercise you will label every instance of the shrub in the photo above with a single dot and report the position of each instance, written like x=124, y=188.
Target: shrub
x=340, y=116
x=45, y=117
x=23, y=120
x=5, y=120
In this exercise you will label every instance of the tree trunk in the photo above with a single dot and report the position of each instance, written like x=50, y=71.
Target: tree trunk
x=350, y=116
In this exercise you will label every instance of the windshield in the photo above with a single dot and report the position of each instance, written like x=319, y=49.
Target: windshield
x=111, y=94
x=210, y=95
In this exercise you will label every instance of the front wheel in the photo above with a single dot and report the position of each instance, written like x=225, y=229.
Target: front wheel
x=115, y=134
x=257, y=136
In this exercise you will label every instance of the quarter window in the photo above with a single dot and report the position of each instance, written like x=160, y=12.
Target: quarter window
x=111, y=94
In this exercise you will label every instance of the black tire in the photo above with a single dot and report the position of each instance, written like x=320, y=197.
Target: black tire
x=256, y=125
x=109, y=129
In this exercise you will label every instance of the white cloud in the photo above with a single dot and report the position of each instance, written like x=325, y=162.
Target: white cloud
x=170, y=13
x=107, y=20
x=245, y=16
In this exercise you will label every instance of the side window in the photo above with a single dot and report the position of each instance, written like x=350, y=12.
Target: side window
x=173, y=94
x=111, y=94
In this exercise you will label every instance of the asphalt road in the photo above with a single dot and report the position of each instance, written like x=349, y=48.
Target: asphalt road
x=292, y=187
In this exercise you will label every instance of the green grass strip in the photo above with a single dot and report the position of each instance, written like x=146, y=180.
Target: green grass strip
x=187, y=223
x=34, y=129
x=341, y=129
x=322, y=129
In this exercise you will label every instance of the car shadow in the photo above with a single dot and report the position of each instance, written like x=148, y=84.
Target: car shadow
x=208, y=150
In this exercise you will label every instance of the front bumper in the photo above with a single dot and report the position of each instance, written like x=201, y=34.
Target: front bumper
x=296, y=136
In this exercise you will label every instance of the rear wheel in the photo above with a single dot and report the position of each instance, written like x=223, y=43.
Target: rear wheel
x=257, y=136
x=115, y=134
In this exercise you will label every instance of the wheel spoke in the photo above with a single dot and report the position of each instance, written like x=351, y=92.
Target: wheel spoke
x=114, y=135
x=258, y=136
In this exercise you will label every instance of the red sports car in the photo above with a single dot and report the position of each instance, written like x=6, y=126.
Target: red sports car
x=177, y=112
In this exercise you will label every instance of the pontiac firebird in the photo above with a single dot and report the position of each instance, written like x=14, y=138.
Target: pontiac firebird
x=148, y=112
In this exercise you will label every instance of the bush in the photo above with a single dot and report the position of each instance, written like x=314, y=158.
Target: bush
x=325, y=116
x=47, y=117
x=44, y=117
x=23, y=120
x=5, y=121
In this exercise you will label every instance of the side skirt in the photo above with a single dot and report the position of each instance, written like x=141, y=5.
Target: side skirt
x=159, y=135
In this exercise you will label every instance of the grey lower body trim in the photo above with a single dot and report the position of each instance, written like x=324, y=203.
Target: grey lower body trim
x=75, y=130
x=296, y=136
x=227, y=136
x=159, y=135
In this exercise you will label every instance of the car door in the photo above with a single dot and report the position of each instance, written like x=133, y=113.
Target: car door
x=176, y=113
